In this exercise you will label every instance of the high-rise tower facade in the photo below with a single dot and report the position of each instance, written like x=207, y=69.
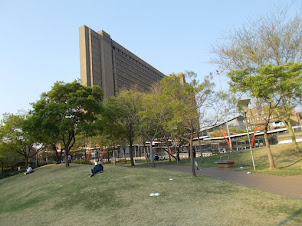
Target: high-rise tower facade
x=109, y=65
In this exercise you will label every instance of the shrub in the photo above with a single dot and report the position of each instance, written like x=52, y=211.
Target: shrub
x=81, y=161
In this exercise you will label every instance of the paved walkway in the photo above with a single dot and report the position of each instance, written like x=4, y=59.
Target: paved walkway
x=290, y=186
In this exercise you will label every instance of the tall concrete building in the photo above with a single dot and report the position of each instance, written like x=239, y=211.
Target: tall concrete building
x=109, y=65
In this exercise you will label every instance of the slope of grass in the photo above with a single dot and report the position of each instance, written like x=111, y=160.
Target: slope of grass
x=54, y=195
x=287, y=161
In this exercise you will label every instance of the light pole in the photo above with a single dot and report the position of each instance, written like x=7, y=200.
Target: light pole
x=243, y=105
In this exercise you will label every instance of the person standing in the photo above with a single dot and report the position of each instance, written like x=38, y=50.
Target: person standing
x=69, y=158
x=194, y=158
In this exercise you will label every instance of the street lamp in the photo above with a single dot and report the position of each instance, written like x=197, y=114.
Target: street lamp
x=243, y=105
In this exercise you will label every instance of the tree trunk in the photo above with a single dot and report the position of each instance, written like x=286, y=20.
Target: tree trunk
x=12, y=170
x=57, y=156
x=66, y=151
x=36, y=159
x=114, y=159
x=108, y=155
x=145, y=153
x=26, y=162
x=199, y=147
x=54, y=148
x=61, y=154
x=131, y=155
x=292, y=135
x=191, y=155
x=97, y=155
x=151, y=156
x=2, y=169
x=268, y=149
x=124, y=148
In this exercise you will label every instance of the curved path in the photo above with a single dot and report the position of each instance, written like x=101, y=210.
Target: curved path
x=290, y=186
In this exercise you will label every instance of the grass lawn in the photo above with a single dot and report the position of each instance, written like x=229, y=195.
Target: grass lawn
x=287, y=161
x=53, y=195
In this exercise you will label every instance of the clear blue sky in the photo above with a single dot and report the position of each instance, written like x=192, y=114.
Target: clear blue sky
x=39, y=41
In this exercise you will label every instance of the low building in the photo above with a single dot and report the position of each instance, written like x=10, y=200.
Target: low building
x=234, y=122
x=258, y=117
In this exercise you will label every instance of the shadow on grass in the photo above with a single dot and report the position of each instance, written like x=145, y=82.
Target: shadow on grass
x=291, y=164
x=290, y=218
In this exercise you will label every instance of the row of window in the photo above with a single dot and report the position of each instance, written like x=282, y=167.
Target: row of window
x=259, y=119
x=95, y=53
x=272, y=125
x=96, y=64
x=136, y=70
x=123, y=55
x=122, y=75
x=133, y=69
x=142, y=77
x=95, y=44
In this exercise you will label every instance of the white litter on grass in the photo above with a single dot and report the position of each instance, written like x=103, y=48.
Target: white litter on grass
x=248, y=172
x=171, y=179
x=154, y=194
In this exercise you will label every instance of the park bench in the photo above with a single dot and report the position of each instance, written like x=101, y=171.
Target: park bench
x=225, y=163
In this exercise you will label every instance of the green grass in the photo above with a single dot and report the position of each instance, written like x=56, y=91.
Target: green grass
x=54, y=195
x=287, y=161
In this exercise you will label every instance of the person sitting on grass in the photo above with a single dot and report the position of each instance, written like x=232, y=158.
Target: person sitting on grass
x=28, y=170
x=97, y=169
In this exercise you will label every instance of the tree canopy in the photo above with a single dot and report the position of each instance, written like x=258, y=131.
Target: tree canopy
x=185, y=101
x=274, y=39
x=66, y=110
x=277, y=86
x=263, y=59
x=14, y=138
x=120, y=117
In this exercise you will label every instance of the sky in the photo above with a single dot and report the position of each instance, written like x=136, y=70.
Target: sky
x=39, y=39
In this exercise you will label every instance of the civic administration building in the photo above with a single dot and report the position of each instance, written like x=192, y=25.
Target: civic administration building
x=109, y=65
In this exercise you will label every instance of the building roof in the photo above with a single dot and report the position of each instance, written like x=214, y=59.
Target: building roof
x=239, y=117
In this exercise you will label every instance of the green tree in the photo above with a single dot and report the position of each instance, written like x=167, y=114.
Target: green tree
x=15, y=137
x=113, y=123
x=271, y=85
x=121, y=118
x=183, y=101
x=277, y=86
x=9, y=156
x=66, y=110
x=274, y=39
x=152, y=118
x=45, y=140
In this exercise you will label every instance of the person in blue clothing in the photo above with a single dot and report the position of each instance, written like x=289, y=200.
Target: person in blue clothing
x=97, y=169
